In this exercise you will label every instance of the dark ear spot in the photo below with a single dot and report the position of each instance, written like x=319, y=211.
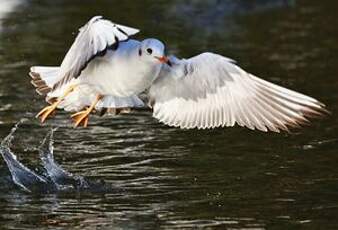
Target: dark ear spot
x=139, y=52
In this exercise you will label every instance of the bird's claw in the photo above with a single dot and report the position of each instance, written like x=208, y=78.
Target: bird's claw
x=46, y=112
x=81, y=118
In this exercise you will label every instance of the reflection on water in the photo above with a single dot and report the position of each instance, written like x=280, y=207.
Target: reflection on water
x=170, y=178
x=216, y=14
x=7, y=6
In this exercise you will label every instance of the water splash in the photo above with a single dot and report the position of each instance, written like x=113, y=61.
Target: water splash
x=55, y=178
x=62, y=179
x=21, y=175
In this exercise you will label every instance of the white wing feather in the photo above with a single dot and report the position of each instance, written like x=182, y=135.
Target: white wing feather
x=209, y=91
x=93, y=39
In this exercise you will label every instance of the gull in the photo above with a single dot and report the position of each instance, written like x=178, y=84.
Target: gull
x=106, y=70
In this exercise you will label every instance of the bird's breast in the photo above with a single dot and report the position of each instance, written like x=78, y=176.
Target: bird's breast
x=120, y=75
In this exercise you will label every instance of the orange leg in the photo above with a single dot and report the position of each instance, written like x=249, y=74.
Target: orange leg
x=48, y=110
x=81, y=118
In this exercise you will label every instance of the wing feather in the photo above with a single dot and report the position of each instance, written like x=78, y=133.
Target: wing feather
x=209, y=91
x=93, y=40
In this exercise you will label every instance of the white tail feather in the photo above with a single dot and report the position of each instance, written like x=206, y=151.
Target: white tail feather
x=47, y=74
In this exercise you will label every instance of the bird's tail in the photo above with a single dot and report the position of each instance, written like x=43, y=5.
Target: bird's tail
x=44, y=78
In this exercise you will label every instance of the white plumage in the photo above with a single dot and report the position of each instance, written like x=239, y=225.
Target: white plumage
x=205, y=91
x=93, y=40
x=209, y=91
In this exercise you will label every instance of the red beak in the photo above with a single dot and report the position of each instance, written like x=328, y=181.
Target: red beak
x=163, y=59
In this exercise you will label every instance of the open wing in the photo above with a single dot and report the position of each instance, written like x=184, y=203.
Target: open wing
x=210, y=91
x=93, y=40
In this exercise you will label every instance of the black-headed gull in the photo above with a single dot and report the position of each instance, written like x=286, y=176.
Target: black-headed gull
x=105, y=69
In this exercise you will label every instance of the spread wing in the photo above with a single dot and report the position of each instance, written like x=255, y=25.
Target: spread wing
x=93, y=40
x=210, y=91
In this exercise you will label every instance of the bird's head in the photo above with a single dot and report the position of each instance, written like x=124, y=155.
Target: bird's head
x=153, y=50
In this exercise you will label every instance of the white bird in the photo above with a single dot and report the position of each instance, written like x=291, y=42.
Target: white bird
x=105, y=69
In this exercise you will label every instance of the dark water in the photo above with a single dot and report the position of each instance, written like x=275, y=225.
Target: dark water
x=169, y=178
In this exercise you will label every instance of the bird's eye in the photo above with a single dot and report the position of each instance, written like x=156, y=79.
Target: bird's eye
x=149, y=51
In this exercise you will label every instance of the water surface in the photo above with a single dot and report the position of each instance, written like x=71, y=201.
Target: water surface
x=226, y=178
